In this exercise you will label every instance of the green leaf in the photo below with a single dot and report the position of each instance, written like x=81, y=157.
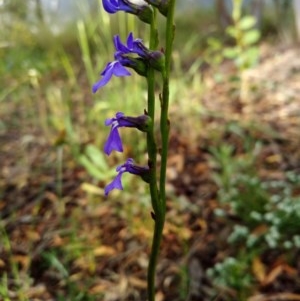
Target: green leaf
x=251, y=56
x=96, y=156
x=230, y=52
x=251, y=37
x=247, y=23
x=93, y=170
x=232, y=31
x=214, y=43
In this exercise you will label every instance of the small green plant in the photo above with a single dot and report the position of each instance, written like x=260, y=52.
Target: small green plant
x=233, y=273
x=256, y=203
x=15, y=281
x=4, y=291
x=245, y=51
x=60, y=260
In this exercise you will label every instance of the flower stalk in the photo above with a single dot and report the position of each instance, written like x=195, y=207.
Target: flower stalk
x=146, y=62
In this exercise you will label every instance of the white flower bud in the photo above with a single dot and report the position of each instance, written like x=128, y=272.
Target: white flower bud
x=138, y=2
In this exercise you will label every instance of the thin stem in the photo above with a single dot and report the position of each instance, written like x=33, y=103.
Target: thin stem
x=159, y=199
x=157, y=236
x=164, y=121
x=151, y=145
x=152, y=154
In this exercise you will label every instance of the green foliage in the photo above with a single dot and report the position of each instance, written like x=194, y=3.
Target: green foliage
x=256, y=203
x=266, y=213
x=20, y=281
x=77, y=294
x=245, y=51
x=244, y=36
x=4, y=292
x=234, y=273
x=52, y=260
x=15, y=7
x=281, y=214
x=95, y=163
x=213, y=51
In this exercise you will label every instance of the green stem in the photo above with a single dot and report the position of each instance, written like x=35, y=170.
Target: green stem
x=164, y=121
x=157, y=237
x=158, y=199
x=151, y=145
x=152, y=154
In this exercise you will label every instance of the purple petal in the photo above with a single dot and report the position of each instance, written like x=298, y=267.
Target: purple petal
x=119, y=46
x=113, y=142
x=132, y=46
x=125, y=7
x=112, y=68
x=109, y=121
x=115, y=184
x=107, y=74
x=139, y=48
x=129, y=162
x=124, y=61
x=124, y=167
x=111, y=6
x=130, y=40
x=119, y=70
x=136, y=45
x=119, y=115
x=130, y=167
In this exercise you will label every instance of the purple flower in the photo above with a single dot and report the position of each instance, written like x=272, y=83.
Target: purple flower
x=112, y=6
x=130, y=167
x=112, y=68
x=139, y=8
x=134, y=46
x=132, y=6
x=139, y=61
x=114, y=141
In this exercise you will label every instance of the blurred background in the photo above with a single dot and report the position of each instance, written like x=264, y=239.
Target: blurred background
x=232, y=229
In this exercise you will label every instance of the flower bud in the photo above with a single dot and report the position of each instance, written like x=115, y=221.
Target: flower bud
x=137, y=64
x=157, y=60
x=145, y=14
x=161, y=5
x=141, y=9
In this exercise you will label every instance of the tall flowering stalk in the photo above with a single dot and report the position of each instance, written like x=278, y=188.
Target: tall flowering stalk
x=150, y=63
